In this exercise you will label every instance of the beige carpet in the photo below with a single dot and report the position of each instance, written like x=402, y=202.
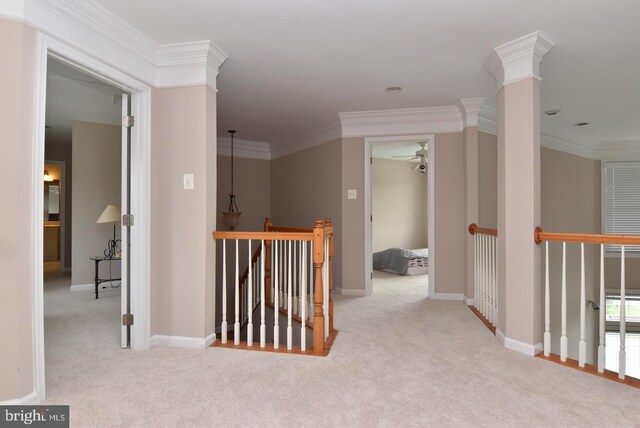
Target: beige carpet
x=399, y=360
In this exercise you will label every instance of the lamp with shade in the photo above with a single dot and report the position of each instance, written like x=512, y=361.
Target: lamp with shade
x=111, y=214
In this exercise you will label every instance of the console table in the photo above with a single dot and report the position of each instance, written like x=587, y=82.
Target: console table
x=98, y=280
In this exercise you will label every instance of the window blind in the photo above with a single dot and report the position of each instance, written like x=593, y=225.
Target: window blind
x=621, y=196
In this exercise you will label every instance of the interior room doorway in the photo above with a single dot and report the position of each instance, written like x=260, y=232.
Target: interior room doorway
x=399, y=207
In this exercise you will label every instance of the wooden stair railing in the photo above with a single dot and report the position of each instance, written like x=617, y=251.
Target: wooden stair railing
x=485, y=275
x=273, y=269
x=582, y=239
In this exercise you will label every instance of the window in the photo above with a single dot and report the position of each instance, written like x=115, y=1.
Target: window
x=621, y=203
x=612, y=336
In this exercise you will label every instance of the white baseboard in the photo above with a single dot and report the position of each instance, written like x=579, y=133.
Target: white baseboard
x=182, y=341
x=350, y=292
x=31, y=398
x=518, y=346
x=470, y=301
x=209, y=339
x=447, y=296
x=83, y=287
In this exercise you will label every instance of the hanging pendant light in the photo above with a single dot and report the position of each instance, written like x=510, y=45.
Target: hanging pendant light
x=231, y=216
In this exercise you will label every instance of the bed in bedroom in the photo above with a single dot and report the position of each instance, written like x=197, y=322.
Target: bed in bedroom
x=402, y=261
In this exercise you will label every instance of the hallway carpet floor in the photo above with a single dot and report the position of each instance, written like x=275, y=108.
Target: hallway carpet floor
x=400, y=360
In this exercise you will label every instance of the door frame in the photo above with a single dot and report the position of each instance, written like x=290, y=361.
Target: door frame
x=63, y=211
x=140, y=192
x=431, y=238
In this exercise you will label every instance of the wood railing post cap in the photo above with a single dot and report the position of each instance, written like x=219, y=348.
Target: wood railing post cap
x=472, y=228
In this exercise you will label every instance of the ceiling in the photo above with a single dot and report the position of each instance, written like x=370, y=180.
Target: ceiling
x=293, y=63
x=74, y=95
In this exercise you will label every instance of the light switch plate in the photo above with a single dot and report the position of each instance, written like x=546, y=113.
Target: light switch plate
x=352, y=194
x=188, y=181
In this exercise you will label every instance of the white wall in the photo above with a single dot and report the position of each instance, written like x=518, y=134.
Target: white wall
x=398, y=204
x=96, y=184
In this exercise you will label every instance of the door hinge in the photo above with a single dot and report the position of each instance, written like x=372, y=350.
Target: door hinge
x=127, y=319
x=127, y=220
x=371, y=275
x=127, y=121
x=370, y=161
x=371, y=217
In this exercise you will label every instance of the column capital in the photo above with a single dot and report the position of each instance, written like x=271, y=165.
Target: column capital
x=519, y=59
x=470, y=108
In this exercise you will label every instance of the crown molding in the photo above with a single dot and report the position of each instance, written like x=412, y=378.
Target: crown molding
x=244, y=148
x=319, y=133
x=186, y=64
x=92, y=29
x=519, y=59
x=470, y=108
x=423, y=120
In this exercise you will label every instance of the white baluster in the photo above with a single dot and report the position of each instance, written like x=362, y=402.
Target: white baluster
x=622, y=365
x=236, y=325
x=223, y=328
x=325, y=287
x=250, y=300
x=491, y=280
x=485, y=303
x=547, y=303
x=284, y=276
x=303, y=296
x=311, y=283
x=276, y=303
x=494, y=266
x=582, y=344
x=602, y=351
x=563, y=333
x=481, y=282
x=296, y=268
x=289, y=303
x=263, y=326
x=476, y=299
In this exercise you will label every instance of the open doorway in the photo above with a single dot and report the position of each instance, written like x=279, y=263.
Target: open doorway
x=398, y=203
x=85, y=188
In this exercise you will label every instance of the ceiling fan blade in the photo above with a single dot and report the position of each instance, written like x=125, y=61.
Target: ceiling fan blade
x=403, y=156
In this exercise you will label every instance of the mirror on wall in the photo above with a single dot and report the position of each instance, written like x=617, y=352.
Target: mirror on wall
x=52, y=200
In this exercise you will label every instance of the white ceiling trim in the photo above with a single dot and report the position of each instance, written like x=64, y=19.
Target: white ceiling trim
x=244, y=148
x=91, y=28
x=320, y=133
x=519, y=59
x=470, y=108
x=423, y=120
x=569, y=144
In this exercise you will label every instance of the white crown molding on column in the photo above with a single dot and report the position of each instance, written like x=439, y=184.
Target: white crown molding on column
x=244, y=148
x=519, y=59
x=186, y=64
x=470, y=109
x=423, y=120
x=97, y=32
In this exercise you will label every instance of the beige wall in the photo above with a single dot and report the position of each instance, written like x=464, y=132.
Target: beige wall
x=18, y=49
x=487, y=180
x=97, y=178
x=306, y=186
x=353, y=222
x=398, y=205
x=450, y=228
x=252, y=185
x=182, y=249
x=571, y=203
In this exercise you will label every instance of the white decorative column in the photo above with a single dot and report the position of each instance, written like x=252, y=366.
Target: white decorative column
x=470, y=108
x=517, y=73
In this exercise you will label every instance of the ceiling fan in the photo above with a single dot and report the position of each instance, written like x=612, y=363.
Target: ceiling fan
x=422, y=155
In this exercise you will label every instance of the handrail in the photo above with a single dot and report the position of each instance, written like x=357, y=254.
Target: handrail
x=539, y=235
x=289, y=229
x=254, y=259
x=474, y=228
x=267, y=236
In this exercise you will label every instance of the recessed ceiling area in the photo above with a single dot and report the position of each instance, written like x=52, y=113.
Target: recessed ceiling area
x=75, y=95
x=295, y=63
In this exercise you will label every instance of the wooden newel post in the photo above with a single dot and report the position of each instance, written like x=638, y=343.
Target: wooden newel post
x=267, y=262
x=329, y=230
x=318, y=316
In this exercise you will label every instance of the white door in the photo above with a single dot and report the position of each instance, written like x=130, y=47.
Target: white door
x=127, y=220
